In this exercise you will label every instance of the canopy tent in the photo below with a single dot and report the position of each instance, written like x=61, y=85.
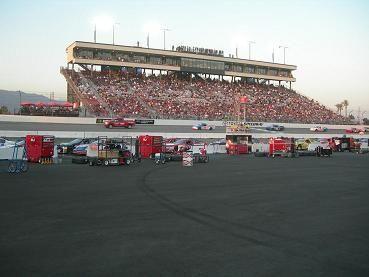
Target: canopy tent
x=48, y=104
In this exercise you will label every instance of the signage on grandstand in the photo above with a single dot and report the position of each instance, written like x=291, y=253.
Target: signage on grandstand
x=199, y=50
x=145, y=121
x=253, y=124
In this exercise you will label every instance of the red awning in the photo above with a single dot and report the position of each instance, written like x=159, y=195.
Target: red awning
x=68, y=105
x=53, y=104
x=40, y=104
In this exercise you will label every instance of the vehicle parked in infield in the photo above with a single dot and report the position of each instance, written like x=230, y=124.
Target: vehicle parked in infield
x=319, y=129
x=323, y=143
x=361, y=146
x=355, y=130
x=10, y=143
x=67, y=147
x=119, y=122
x=203, y=126
x=342, y=144
x=303, y=144
x=111, y=152
x=275, y=127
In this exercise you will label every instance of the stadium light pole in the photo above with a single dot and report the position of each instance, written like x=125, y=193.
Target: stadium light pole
x=95, y=33
x=273, y=55
x=284, y=52
x=116, y=23
x=165, y=30
x=250, y=48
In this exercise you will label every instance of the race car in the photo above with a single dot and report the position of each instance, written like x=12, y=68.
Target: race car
x=355, y=130
x=119, y=122
x=203, y=126
x=179, y=145
x=275, y=127
x=80, y=150
x=67, y=147
x=219, y=142
x=318, y=129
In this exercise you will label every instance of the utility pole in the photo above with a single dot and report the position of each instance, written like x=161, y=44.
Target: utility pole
x=52, y=99
x=165, y=30
x=284, y=53
x=148, y=40
x=250, y=48
x=20, y=101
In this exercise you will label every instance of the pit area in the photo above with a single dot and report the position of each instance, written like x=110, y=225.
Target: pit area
x=234, y=216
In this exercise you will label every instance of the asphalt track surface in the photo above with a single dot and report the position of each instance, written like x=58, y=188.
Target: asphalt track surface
x=236, y=216
x=29, y=126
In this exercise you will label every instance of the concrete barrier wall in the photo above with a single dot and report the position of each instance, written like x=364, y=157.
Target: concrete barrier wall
x=92, y=120
x=48, y=119
x=67, y=134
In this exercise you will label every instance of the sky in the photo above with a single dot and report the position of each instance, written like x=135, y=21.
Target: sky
x=327, y=40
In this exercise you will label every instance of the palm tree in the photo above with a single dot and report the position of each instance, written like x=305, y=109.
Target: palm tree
x=339, y=107
x=345, y=104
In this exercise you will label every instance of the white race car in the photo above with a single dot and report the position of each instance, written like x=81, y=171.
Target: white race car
x=203, y=126
x=9, y=143
x=319, y=129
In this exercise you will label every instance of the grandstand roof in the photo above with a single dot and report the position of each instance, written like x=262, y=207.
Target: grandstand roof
x=80, y=52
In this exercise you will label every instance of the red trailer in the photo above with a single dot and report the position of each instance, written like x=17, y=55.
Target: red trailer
x=238, y=144
x=284, y=147
x=150, y=145
x=40, y=149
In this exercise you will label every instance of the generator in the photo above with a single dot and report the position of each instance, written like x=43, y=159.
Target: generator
x=40, y=148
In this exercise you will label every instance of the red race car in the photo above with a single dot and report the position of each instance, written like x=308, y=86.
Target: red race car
x=355, y=130
x=119, y=122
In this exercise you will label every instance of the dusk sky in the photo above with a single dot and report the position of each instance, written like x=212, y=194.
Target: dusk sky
x=327, y=40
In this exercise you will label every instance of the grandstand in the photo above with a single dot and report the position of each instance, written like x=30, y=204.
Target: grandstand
x=184, y=83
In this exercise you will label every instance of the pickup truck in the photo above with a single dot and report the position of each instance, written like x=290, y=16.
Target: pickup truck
x=119, y=122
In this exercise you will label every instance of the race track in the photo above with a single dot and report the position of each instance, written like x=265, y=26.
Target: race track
x=28, y=126
x=235, y=216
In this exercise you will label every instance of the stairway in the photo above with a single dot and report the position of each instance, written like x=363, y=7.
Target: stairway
x=94, y=89
x=152, y=112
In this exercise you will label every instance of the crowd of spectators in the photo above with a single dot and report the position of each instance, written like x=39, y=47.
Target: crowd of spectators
x=179, y=96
